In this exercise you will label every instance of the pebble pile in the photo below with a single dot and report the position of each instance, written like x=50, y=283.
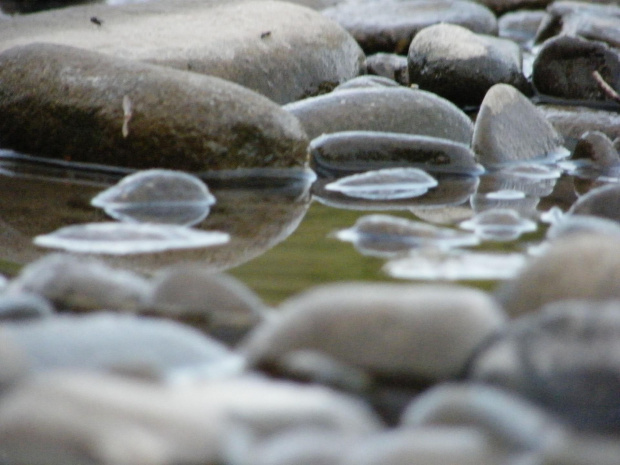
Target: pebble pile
x=100, y=365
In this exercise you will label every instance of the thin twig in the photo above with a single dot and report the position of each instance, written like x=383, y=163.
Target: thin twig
x=127, y=114
x=605, y=87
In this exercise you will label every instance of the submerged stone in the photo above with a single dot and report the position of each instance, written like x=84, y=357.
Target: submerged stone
x=386, y=236
x=385, y=184
x=389, y=25
x=499, y=225
x=157, y=196
x=456, y=266
x=280, y=50
x=351, y=151
x=73, y=104
x=509, y=129
x=460, y=65
x=399, y=110
x=129, y=238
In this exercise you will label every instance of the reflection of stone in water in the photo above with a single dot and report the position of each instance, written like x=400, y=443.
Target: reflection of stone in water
x=526, y=206
x=257, y=208
x=456, y=266
x=157, y=196
x=533, y=182
x=499, y=225
x=129, y=238
x=451, y=190
x=386, y=184
x=388, y=236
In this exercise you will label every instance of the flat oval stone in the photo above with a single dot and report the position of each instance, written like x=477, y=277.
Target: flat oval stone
x=509, y=129
x=399, y=110
x=389, y=25
x=403, y=332
x=565, y=67
x=580, y=266
x=283, y=51
x=68, y=103
x=462, y=66
x=351, y=151
x=565, y=358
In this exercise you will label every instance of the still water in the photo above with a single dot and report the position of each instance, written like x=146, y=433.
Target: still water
x=286, y=229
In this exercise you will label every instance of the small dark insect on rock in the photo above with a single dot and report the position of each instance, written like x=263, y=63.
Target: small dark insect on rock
x=265, y=34
x=95, y=20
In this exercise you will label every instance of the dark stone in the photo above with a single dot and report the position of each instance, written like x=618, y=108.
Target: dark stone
x=354, y=151
x=388, y=65
x=597, y=148
x=389, y=25
x=565, y=67
x=500, y=7
x=68, y=103
x=400, y=110
x=462, y=66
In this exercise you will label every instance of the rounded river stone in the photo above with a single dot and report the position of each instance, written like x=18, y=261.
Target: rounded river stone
x=388, y=65
x=406, y=332
x=580, y=266
x=566, y=358
x=283, y=51
x=460, y=65
x=349, y=151
x=603, y=202
x=565, y=68
x=68, y=103
x=389, y=25
x=509, y=128
x=401, y=110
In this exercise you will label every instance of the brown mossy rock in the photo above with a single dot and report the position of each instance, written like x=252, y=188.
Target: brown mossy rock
x=64, y=102
x=281, y=50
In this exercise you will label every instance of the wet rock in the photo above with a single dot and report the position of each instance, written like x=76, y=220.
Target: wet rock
x=433, y=445
x=582, y=224
x=126, y=344
x=565, y=68
x=597, y=148
x=583, y=266
x=603, y=202
x=218, y=304
x=23, y=306
x=573, y=121
x=82, y=114
x=584, y=19
x=565, y=358
x=390, y=330
x=452, y=190
x=460, y=65
x=107, y=420
x=502, y=6
x=81, y=284
x=514, y=423
x=352, y=151
x=157, y=196
x=283, y=51
x=389, y=25
x=509, y=128
x=367, y=81
x=399, y=110
x=389, y=65
x=520, y=26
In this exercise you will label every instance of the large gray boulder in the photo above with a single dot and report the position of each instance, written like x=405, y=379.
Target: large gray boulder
x=278, y=49
x=64, y=102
